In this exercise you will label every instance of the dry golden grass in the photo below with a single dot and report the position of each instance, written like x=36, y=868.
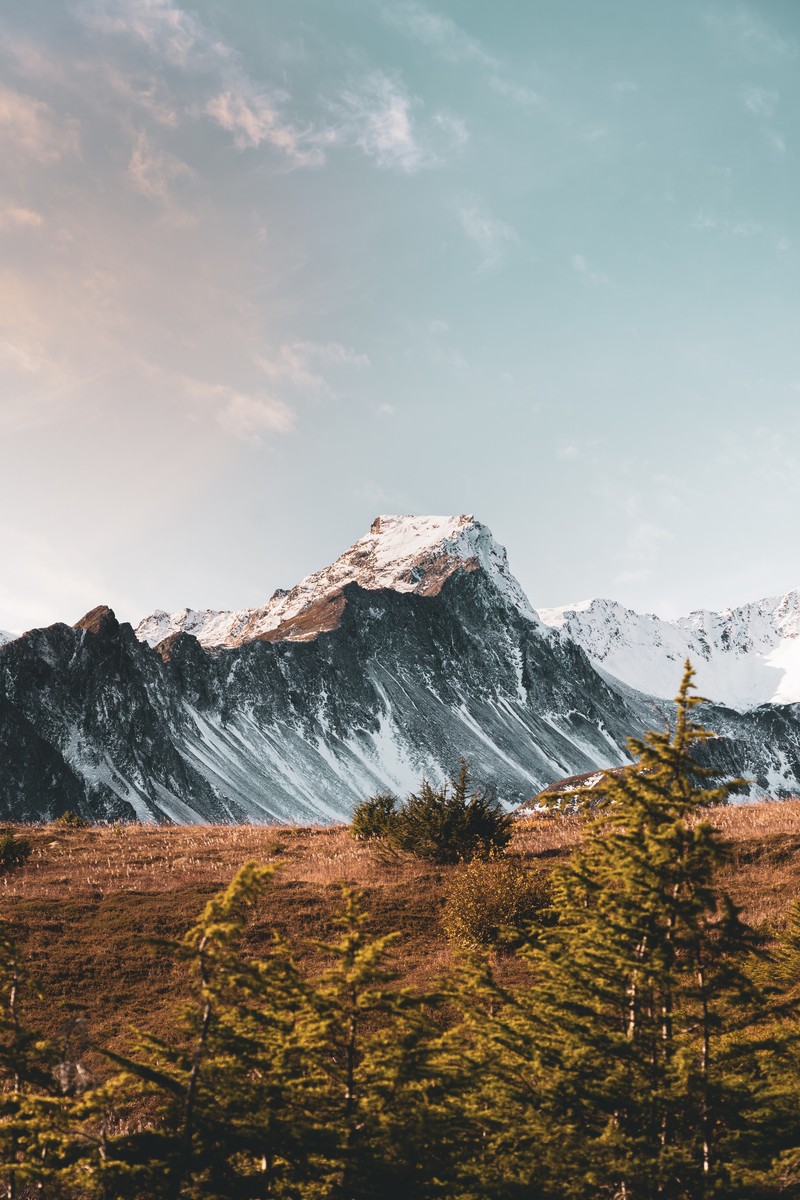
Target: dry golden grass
x=773, y=818
x=159, y=858
x=88, y=903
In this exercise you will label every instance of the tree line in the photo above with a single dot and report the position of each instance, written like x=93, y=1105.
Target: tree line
x=650, y=1050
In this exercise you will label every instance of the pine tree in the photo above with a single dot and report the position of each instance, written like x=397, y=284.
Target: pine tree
x=451, y=824
x=275, y=1086
x=386, y=1120
x=27, y=1064
x=219, y=1124
x=612, y=1057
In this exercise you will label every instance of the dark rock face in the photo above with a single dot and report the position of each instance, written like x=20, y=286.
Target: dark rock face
x=100, y=620
x=93, y=720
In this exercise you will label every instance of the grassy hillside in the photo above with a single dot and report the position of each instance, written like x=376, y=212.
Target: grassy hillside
x=86, y=903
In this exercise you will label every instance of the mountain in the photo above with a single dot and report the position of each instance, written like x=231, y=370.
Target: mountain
x=416, y=646
x=5, y=636
x=404, y=554
x=744, y=657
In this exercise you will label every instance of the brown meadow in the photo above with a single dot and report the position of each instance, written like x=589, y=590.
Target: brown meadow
x=89, y=906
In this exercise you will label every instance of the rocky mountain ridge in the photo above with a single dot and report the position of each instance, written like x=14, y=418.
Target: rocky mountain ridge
x=744, y=657
x=405, y=554
x=415, y=647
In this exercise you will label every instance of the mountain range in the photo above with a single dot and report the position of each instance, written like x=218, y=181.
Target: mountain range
x=415, y=647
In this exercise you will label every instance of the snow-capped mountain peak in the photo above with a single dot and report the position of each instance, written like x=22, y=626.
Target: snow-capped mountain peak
x=743, y=656
x=424, y=658
x=402, y=553
x=416, y=554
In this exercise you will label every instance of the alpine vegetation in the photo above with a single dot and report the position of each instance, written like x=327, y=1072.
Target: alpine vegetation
x=444, y=825
x=645, y=1046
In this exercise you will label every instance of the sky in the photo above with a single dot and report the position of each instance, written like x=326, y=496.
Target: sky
x=268, y=270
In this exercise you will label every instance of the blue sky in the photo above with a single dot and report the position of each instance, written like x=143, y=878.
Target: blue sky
x=267, y=270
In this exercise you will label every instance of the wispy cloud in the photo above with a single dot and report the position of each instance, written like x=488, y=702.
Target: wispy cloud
x=304, y=365
x=152, y=172
x=252, y=114
x=144, y=91
x=250, y=415
x=587, y=272
x=32, y=132
x=454, y=45
x=169, y=32
x=775, y=140
x=744, y=27
x=22, y=358
x=100, y=298
x=519, y=93
x=247, y=416
x=760, y=101
x=440, y=33
x=254, y=118
x=387, y=124
x=18, y=218
x=492, y=236
x=376, y=113
x=590, y=453
x=707, y=221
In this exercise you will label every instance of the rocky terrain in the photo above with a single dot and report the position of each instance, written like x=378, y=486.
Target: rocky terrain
x=417, y=646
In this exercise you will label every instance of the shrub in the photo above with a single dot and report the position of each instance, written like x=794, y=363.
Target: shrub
x=492, y=904
x=375, y=817
x=14, y=851
x=71, y=820
x=445, y=825
x=451, y=824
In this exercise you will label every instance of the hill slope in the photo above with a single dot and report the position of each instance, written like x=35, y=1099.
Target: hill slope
x=88, y=900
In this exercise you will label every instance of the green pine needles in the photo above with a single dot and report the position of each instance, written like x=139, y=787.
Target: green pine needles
x=645, y=1048
x=450, y=824
x=631, y=1057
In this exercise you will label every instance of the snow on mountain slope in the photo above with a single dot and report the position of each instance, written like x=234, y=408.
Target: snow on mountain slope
x=5, y=637
x=430, y=651
x=301, y=730
x=743, y=656
x=403, y=553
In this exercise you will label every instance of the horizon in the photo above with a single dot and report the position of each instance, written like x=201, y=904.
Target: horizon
x=266, y=272
x=574, y=605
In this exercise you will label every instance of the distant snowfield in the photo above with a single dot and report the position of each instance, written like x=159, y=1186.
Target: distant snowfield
x=743, y=656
